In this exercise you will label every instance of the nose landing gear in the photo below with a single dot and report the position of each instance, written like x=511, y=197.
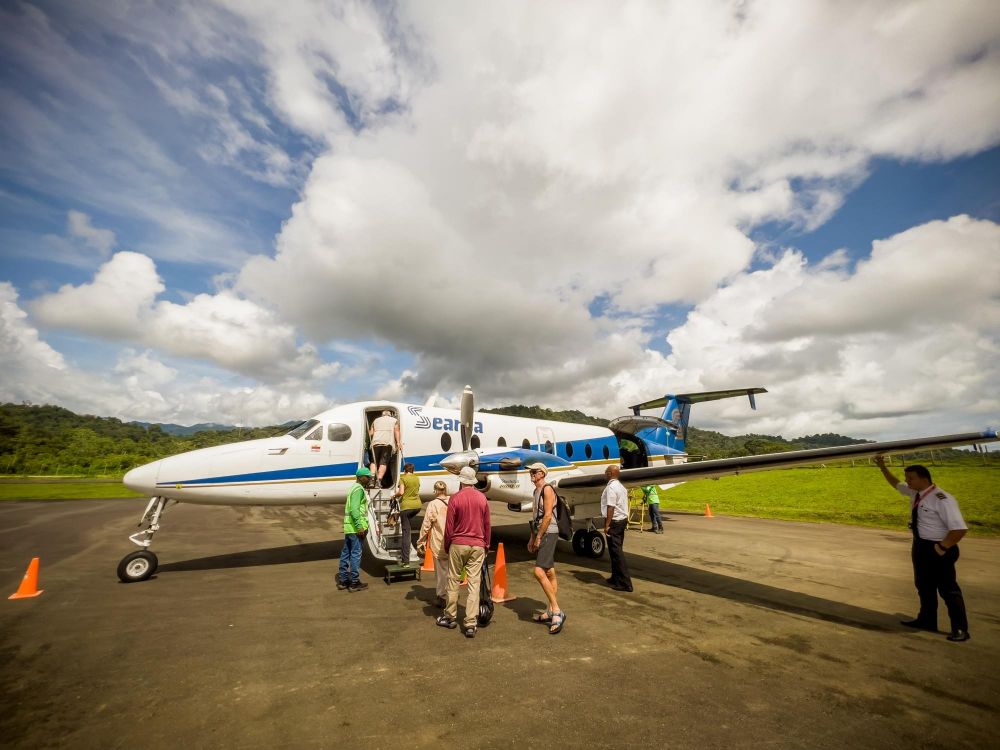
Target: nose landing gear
x=138, y=566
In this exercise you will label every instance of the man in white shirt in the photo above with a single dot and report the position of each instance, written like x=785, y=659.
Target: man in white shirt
x=937, y=526
x=614, y=508
x=384, y=434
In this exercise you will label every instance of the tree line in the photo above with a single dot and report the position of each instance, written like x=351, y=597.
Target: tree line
x=43, y=440
x=46, y=440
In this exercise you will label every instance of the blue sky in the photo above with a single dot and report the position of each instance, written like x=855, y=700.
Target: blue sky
x=228, y=212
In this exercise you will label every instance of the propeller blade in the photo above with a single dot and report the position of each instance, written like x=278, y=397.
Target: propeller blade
x=468, y=407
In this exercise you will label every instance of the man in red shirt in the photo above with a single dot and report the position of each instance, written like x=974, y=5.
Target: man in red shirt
x=466, y=540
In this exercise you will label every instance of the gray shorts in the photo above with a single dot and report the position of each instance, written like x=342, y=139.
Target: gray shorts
x=546, y=556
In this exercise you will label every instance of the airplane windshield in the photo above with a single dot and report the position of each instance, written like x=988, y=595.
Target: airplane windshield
x=303, y=428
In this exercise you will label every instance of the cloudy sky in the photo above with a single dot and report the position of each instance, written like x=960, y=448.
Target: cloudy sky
x=246, y=212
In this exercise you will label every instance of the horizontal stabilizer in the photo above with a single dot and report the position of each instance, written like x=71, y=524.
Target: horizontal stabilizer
x=697, y=398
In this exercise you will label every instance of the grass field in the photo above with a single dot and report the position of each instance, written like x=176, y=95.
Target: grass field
x=858, y=496
x=40, y=489
x=847, y=495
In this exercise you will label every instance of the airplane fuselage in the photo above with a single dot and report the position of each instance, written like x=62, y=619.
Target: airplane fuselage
x=318, y=464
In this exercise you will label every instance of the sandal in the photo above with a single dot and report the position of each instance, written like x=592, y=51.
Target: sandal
x=558, y=620
x=446, y=622
x=544, y=617
x=469, y=632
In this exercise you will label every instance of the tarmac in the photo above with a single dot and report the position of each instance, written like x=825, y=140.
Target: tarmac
x=740, y=633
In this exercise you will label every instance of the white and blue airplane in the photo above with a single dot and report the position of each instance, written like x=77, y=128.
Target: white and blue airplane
x=316, y=462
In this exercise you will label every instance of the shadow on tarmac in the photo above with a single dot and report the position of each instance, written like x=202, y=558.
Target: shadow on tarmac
x=292, y=553
x=705, y=582
x=643, y=568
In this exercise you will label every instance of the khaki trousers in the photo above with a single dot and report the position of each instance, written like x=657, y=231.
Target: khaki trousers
x=471, y=558
x=441, y=567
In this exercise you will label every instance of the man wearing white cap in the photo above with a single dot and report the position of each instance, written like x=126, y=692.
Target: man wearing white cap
x=466, y=539
x=544, y=535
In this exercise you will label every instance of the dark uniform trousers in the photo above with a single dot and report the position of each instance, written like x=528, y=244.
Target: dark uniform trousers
x=616, y=543
x=934, y=574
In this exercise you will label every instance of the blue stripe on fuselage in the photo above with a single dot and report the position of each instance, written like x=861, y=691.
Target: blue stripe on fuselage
x=421, y=464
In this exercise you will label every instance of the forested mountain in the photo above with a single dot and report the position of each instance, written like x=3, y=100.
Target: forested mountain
x=51, y=440
x=538, y=412
x=186, y=430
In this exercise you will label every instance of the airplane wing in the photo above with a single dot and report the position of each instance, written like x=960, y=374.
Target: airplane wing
x=723, y=467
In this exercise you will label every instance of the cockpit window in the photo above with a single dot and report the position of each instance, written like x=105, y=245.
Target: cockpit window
x=303, y=428
x=316, y=434
x=338, y=433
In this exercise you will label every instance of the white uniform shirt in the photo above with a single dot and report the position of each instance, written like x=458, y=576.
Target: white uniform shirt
x=384, y=431
x=616, y=496
x=938, y=512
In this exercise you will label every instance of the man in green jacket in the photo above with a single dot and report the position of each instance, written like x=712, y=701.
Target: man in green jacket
x=355, y=530
x=651, y=498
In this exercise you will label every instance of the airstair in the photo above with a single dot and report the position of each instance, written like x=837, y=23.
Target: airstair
x=384, y=540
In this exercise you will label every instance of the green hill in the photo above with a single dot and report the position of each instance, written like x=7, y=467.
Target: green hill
x=44, y=440
x=41, y=440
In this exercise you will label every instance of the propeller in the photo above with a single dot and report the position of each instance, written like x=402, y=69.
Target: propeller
x=467, y=457
x=468, y=408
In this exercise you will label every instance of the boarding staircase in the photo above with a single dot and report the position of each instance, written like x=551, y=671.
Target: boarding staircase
x=384, y=540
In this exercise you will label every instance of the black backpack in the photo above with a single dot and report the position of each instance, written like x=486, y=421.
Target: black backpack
x=563, y=521
x=486, y=605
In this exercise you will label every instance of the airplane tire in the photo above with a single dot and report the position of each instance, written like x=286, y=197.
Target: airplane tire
x=580, y=542
x=596, y=544
x=137, y=566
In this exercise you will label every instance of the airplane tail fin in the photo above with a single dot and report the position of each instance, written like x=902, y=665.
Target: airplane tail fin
x=677, y=412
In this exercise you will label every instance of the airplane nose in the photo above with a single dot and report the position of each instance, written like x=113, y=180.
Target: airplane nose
x=142, y=478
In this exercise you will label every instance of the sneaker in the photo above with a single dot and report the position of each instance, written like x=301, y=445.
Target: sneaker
x=341, y=584
x=469, y=632
x=357, y=586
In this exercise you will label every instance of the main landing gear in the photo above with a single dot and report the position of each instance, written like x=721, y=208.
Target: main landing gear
x=589, y=543
x=138, y=566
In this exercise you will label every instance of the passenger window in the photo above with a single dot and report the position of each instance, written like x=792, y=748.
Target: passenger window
x=338, y=433
x=569, y=450
x=588, y=451
x=502, y=442
x=549, y=448
x=474, y=443
x=607, y=453
x=445, y=441
x=525, y=444
x=316, y=434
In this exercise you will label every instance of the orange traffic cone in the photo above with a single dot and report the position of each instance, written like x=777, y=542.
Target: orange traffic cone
x=428, y=566
x=708, y=512
x=500, y=592
x=29, y=584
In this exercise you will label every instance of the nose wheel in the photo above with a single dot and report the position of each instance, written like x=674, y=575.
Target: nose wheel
x=137, y=566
